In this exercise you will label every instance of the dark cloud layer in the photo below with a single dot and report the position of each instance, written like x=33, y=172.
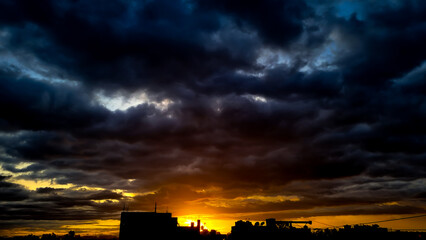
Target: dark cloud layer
x=322, y=101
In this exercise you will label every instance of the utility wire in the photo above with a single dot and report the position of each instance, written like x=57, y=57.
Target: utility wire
x=395, y=219
x=324, y=224
x=388, y=220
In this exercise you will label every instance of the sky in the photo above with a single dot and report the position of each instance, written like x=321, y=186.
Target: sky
x=215, y=109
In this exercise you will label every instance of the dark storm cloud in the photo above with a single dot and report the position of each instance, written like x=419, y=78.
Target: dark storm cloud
x=10, y=191
x=57, y=204
x=34, y=105
x=292, y=98
x=276, y=22
x=47, y=190
x=121, y=43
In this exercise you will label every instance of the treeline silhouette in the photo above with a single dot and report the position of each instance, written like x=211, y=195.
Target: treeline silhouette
x=365, y=232
x=52, y=236
x=244, y=230
x=247, y=231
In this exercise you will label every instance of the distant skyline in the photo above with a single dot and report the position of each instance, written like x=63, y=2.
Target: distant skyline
x=218, y=110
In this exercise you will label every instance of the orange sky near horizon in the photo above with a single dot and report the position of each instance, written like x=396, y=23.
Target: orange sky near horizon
x=189, y=211
x=220, y=223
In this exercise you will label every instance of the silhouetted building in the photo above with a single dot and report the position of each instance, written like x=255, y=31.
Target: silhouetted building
x=147, y=225
x=153, y=225
x=272, y=230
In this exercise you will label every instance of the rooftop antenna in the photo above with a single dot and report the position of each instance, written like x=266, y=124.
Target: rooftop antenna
x=124, y=207
x=167, y=209
x=155, y=209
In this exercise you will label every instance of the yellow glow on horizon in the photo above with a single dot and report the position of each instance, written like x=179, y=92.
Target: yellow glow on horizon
x=41, y=183
x=22, y=165
x=389, y=204
x=97, y=224
x=224, y=222
x=87, y=188
x=278, y=198
x=131, y=194
x=34, y=184
x=125, y=194
x=241, y=201
x=106, y=201
x=210, y=222
x=188, y=223
x=81, y=227
x=339, y=221
x=211, y=189
x=221, y=222
x=6, y=172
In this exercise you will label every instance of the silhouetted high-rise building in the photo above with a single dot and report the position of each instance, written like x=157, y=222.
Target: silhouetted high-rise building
x=153, y=225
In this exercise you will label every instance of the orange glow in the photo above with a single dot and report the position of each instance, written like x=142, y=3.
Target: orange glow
x=188, y=222
x=224, y=222
x=210, y=222
x=220, y=222
x=339, y=221
x=83, y=228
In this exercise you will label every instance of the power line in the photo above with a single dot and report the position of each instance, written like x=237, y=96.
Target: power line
x=324, y=223
x=409, y=229
x=388, y=220
x=395, y=219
